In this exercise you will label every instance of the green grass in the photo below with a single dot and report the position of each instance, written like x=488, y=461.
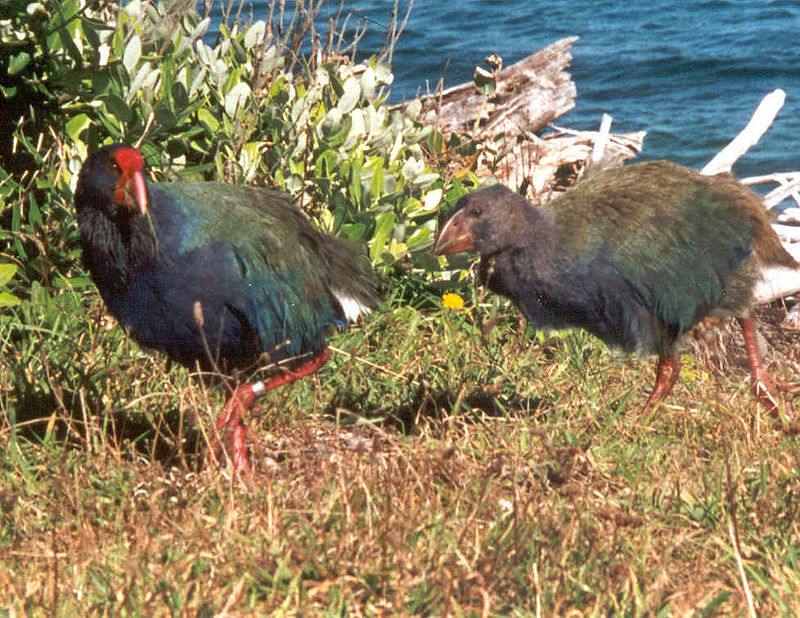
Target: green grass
x=446, y=462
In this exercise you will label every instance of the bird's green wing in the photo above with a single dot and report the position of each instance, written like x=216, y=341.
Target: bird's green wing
x=675, y=236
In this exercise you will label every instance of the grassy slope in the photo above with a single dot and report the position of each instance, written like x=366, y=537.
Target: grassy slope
x=486, y=471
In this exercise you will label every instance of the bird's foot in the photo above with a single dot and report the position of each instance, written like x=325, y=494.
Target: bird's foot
x=666, y=375
x=766, y=389
x=767, y=393
x=231, y=424
x=300, y=371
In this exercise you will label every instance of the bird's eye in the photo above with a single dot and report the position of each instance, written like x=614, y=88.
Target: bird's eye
x=476, y=212
x=114, y=167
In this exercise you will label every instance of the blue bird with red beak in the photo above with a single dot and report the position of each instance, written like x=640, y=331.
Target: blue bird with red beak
x=216, y=276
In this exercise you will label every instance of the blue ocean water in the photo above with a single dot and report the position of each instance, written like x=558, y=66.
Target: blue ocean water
x=688, y=73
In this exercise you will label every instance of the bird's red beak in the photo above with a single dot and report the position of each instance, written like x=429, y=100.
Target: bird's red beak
x=454, y=236
x=131, y=190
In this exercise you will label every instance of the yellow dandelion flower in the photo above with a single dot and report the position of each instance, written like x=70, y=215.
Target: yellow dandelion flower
x=452, y=301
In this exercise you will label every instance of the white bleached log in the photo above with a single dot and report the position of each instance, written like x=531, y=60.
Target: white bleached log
x=790, y=215
x=527, y=96
x=789, y=186
x=792, y=319
x=788, y=234
x=600, y=141
x=777, y=282
x=759, y=124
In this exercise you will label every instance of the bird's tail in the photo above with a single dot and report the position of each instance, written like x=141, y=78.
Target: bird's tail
x=351, y=279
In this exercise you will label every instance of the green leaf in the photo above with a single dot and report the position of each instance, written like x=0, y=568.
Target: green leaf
x=423, y=180
x=100, y=80
x=72, y=282
x=254, y=34
x=413, y=109
x=69, y=45
x=236, y=98
x=34, y=214
x=355, y=182
x=419, y=236
x=350, y=96
x=325, y=166
x=377, y=181
x=18, y=62
x=358, y=127
x=8, y=300
x=180, y=97
x=368, y=83
x=164, y=116
x=77, y=125
x=16, y=226
x=484, y=81
x=435, y=142
x=201, y=28
x=118, y=108
x=338, y=137
x=7, y=271
x=138, y=81
x=384, y=224
x=90, y=31
x=431, y=200
x=208, y=119
x=133, y=51
x=354, y=231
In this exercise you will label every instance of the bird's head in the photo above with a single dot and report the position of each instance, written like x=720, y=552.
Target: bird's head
x=113, y=177
x=486, y=221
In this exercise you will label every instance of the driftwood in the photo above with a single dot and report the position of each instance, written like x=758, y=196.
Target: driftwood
x=776, y=283
x=789, y=186
x=525, y=97
x=554, y=163
x=505, y=111
x=762, y=119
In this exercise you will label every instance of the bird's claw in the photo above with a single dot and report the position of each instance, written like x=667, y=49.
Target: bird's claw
x=231, y=424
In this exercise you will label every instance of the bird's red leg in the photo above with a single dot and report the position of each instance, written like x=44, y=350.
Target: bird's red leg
x=301, y=371
x=666, y=376
x=764, y=386
x=231, y=420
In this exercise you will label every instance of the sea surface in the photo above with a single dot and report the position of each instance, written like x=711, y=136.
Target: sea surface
x=689, y=73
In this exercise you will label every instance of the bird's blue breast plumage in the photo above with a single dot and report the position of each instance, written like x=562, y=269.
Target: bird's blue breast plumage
x=217, y=285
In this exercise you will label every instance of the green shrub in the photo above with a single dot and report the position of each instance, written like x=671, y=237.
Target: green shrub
x=86, y=73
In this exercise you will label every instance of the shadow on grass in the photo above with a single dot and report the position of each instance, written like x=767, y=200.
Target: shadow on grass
x=79, y=420
x=425, y=401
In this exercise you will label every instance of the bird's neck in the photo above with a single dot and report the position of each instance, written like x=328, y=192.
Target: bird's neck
x=529, y=256
x=115, y=249
x=535, y=234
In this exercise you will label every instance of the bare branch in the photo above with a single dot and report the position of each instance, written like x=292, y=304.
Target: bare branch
x=759, y=124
